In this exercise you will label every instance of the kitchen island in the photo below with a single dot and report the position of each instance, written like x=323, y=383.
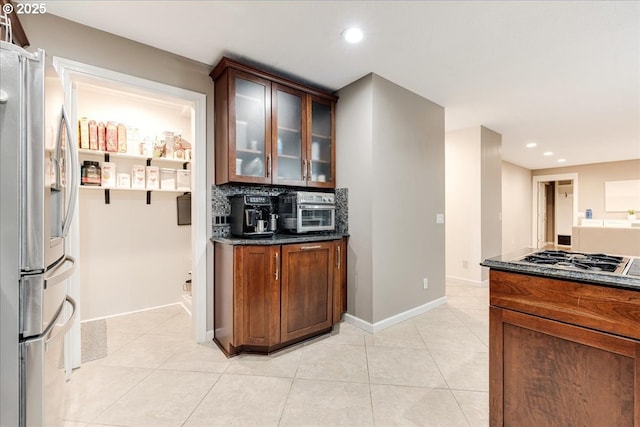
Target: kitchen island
x=273, y=292
x=564, y=345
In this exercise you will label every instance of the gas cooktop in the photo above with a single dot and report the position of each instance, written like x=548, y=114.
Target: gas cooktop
x=592, y=262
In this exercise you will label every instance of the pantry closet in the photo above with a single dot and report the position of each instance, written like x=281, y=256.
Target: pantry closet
x=133, y=243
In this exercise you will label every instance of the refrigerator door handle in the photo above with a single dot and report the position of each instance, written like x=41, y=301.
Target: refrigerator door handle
x=57, y=275
x=65, y=328
x=72, y=169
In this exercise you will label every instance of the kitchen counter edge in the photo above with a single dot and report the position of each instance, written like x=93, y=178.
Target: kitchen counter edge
x=279, y=239
x=506, y=262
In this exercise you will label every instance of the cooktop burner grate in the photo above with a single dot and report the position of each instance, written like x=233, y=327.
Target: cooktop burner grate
x=576, y=260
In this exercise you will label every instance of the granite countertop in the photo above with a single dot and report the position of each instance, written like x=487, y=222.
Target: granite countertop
x=507, y=262
x=280, y=239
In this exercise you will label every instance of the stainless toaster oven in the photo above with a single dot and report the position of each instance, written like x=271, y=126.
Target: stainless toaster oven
x=304, y=211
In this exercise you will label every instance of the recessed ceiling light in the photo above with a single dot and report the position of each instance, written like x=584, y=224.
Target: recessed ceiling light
x=548, y=153
x=562, y=160
x=352, y=35
x=531, y=145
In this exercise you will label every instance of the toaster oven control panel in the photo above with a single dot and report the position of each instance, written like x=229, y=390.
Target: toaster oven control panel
x=316, y=198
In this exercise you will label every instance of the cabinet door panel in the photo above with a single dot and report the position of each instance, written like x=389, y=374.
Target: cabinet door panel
x=545, y=372
x=260, y=296
x=321, y=150
x=250, y=128
x=307, y=289
x=289, y=131
x=340, y=280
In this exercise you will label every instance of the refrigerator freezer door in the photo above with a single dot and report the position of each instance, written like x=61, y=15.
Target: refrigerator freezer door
x=41, y=295
x=43, y=374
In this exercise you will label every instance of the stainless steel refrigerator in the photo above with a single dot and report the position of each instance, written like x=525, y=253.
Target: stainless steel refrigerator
x=38, y=184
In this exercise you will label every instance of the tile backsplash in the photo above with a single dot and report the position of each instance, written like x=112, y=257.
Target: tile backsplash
x=221, y=207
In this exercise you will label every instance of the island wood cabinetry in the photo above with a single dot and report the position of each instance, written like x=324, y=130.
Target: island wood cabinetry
x=271, y=130
x=562, y=353
x=267, y=297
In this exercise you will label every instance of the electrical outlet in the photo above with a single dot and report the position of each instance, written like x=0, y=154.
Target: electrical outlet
x=465, y=264
x=425, y=283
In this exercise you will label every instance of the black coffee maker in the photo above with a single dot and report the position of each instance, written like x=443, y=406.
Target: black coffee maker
x=250, y=215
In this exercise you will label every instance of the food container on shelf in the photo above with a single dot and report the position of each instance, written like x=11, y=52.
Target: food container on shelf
x=153, y=177
x=138, y=176
x=108, y=174
x=238, y=166
x=122, y=138
x=111, y=137
x=93, y=135
x=90, y=173
x=83, y=131
x=102, y=144
x=167, y=179
x=124, y=180
x=183, y=180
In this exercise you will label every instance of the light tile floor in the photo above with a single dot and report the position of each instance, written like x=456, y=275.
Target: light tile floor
x=431, y=370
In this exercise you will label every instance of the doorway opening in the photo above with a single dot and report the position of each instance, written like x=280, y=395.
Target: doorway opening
x=555, y=207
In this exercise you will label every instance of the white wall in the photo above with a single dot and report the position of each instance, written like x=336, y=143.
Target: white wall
x=473, y=198
x=390, y=154
x=516, y=207
x=133, y=255
x=463, y=205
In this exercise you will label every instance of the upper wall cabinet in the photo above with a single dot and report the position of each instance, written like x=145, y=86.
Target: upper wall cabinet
x=271, y=130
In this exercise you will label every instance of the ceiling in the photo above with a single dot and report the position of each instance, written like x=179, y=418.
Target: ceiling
x=562, y=74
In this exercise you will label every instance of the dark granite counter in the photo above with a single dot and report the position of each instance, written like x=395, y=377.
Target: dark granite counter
x=507, y=262
x=280, y=239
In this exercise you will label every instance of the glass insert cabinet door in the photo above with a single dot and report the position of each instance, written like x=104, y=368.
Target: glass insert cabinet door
x=252, y=147
x=289, y=130
x=322, y=156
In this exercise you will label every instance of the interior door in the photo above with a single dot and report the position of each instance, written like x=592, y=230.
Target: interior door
x=542, y=215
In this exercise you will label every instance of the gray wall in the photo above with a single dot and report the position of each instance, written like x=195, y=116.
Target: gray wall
x=516, y=207
x=390, y=145
x=354, y=163
x=490, y=195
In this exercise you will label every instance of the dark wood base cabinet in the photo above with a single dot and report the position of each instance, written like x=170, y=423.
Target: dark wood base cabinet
x=268, y=297
x=562, y=353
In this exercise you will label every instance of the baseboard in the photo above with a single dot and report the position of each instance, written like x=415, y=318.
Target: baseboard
x=395, y=319
x=137, y=311
x=468, y=282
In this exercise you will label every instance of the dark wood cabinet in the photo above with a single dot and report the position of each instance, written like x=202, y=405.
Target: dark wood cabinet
x=306, y=289
x=340, y=280
x=267, y=297
x=562, y=353
x=258, y=296
x=271, y=130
